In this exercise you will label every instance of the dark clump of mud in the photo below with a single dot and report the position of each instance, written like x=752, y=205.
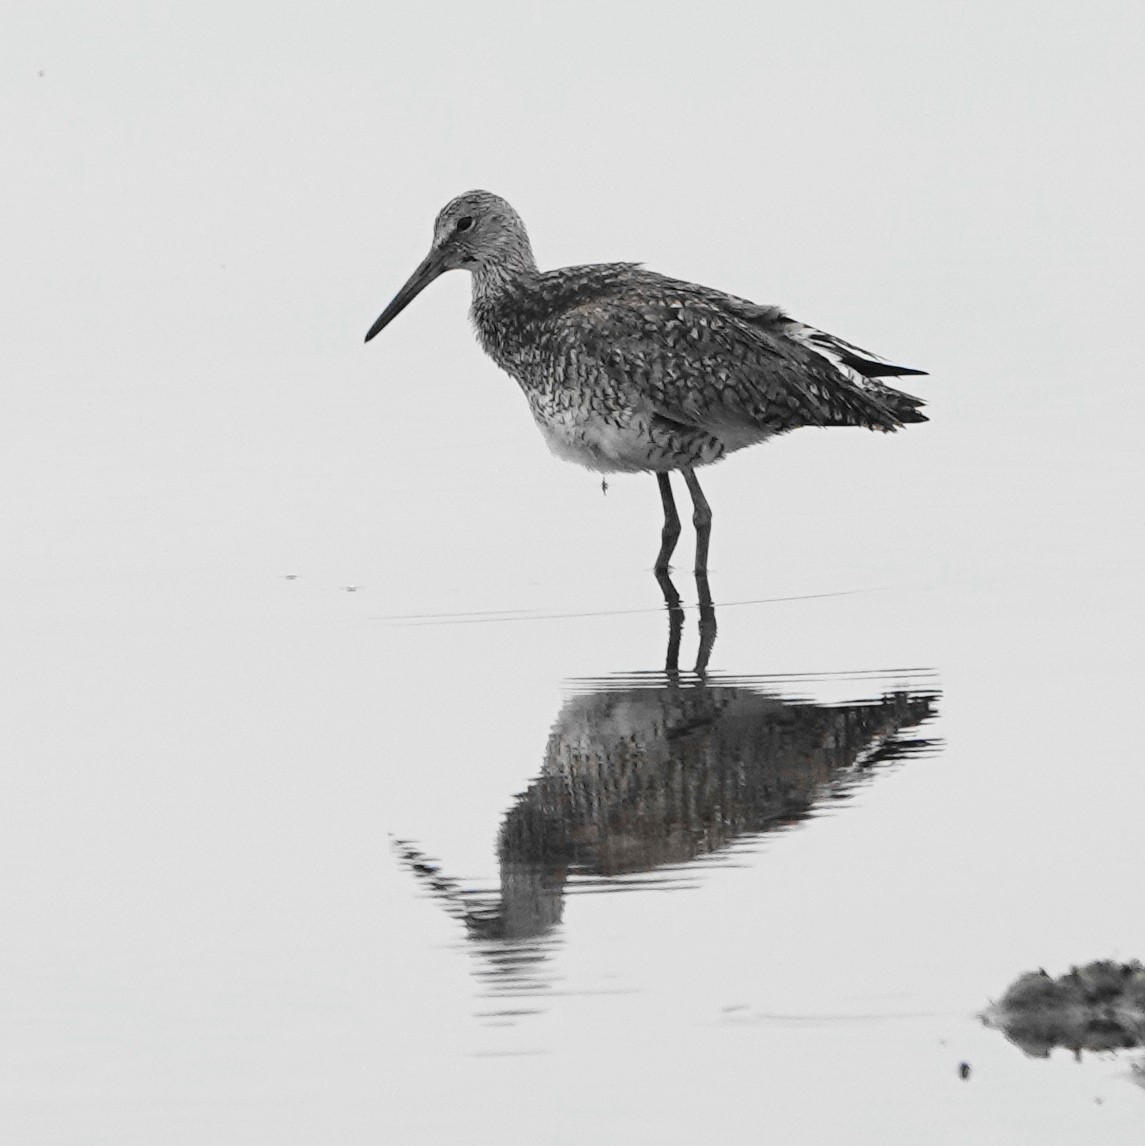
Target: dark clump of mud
x=1098, y=1007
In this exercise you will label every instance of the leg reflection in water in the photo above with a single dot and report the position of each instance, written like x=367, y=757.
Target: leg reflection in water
x=675, y=604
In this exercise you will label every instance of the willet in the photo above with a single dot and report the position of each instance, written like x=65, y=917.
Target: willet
x=628, y=371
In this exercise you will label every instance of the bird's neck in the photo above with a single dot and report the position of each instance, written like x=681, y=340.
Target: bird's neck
x=495, y=278
x=499, y=289
x=500, y=294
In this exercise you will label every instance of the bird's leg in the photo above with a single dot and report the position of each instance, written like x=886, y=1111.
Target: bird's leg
x=671, y=531
x=701, y=519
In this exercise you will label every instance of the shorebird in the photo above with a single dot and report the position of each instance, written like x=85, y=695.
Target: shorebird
x=628, y=371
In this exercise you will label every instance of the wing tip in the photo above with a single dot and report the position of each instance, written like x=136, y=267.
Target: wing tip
x=870, y=368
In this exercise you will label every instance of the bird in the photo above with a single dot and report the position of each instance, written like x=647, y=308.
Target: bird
x=630, y=371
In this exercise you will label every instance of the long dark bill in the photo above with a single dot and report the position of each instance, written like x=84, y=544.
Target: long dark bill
x=431, y=266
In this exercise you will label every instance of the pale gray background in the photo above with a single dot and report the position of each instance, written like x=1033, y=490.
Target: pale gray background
x=205, y=936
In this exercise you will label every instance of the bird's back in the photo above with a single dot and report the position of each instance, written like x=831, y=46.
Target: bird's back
x=626, y=369
x=696, y=355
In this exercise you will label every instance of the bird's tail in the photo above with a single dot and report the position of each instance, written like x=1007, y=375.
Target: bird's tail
x=870, y=404
x=903, y=407
x=867, y=401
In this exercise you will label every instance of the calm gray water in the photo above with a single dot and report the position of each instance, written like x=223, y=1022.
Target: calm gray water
x=282, y=866
x=345, y=795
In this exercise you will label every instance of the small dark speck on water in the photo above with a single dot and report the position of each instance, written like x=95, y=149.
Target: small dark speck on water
x=351, y=588
x=963, y=1070
x=291, y=577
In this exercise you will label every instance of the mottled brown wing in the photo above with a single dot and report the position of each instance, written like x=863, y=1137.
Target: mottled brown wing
x=684, y=360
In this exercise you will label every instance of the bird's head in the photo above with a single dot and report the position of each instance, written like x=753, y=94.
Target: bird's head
x=477, y=231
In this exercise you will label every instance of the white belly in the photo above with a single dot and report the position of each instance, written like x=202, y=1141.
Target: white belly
x=625, y=443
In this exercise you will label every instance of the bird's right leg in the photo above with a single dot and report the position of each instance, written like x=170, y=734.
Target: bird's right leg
x=671, y=531
x=701, y=518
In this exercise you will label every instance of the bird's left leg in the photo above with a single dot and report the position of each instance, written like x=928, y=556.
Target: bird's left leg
x=701, y=518
x=671, y=532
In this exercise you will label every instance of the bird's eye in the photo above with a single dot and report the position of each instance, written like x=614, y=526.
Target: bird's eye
x=465, y=222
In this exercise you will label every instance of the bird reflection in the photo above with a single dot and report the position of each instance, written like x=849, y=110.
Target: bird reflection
x=645, y=775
